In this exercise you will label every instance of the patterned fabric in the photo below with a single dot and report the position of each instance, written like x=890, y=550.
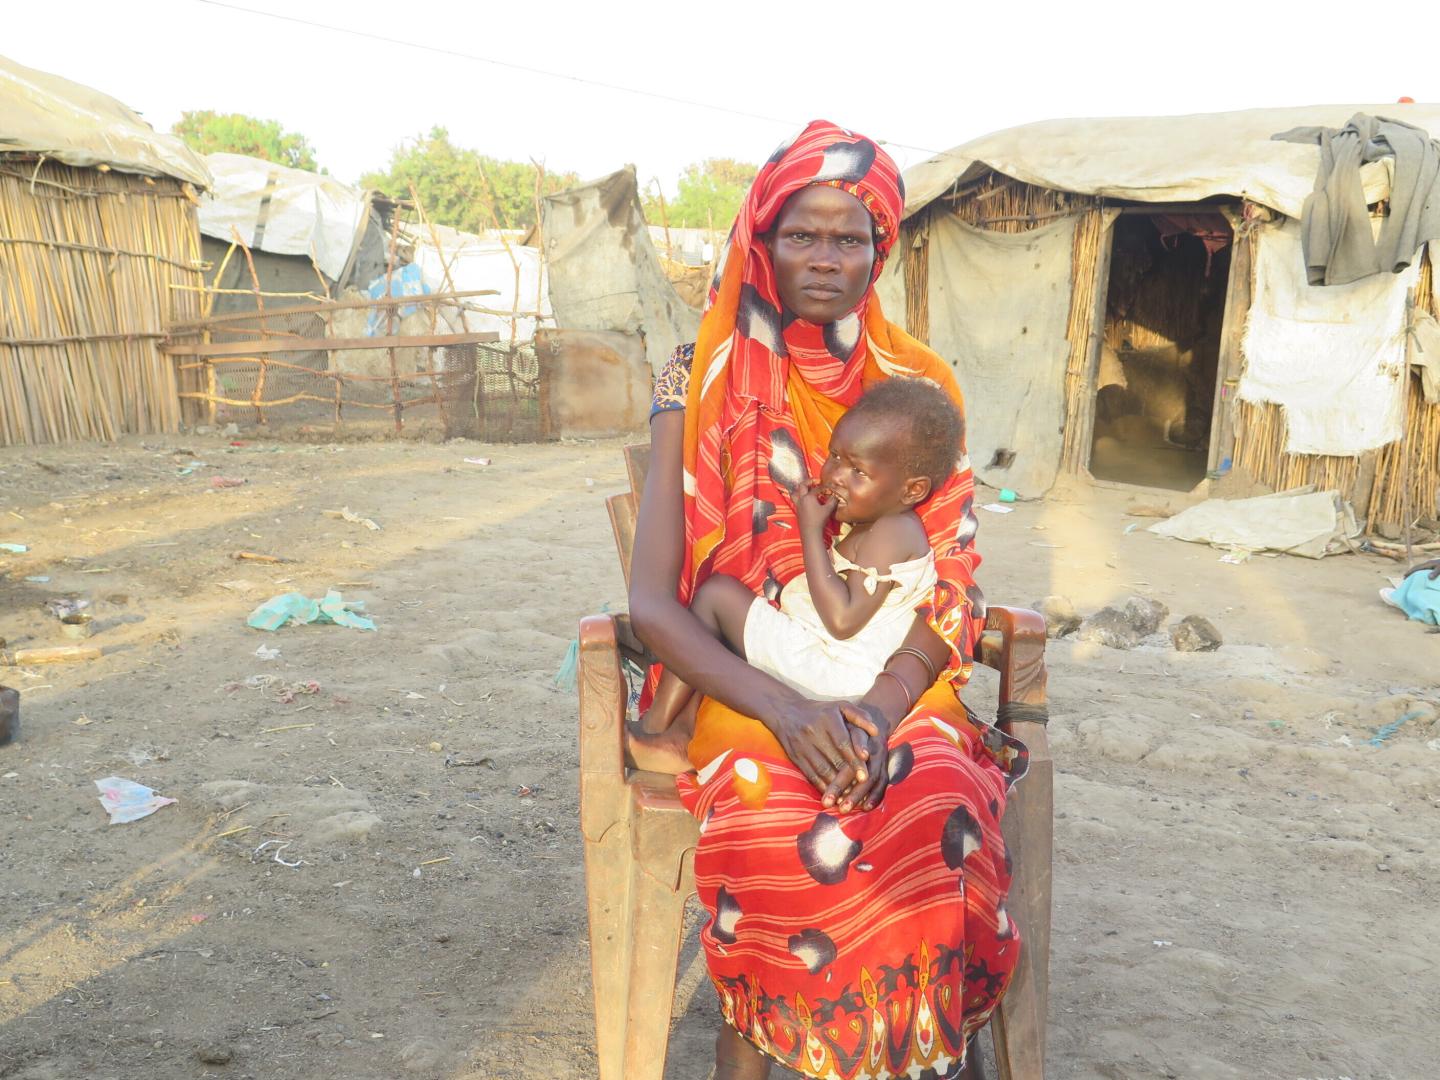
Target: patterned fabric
x=673, y=382
x=861, y=946
x=867, y=945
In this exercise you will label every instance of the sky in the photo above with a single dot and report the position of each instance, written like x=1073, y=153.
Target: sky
x=923, y=76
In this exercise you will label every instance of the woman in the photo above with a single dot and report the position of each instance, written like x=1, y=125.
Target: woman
x=850, y=854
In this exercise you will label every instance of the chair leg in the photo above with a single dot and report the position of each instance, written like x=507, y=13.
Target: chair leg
x=1018, y=1025
x=608, y=869
x=657, y=912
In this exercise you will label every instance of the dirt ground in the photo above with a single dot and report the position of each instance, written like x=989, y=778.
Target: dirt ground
x=1243, y=883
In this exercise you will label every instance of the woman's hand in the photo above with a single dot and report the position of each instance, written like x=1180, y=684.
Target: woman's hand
x=816, y=736
x=1433, y=566
x=814, y=505
x=862, y=790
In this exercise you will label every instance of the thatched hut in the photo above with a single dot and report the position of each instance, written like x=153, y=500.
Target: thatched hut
x=1120, y=298
x=99, y=253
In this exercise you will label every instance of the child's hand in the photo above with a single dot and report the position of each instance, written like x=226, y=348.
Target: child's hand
x=814, y=505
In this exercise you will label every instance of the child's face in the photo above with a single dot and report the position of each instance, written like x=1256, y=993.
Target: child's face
x=862, y=473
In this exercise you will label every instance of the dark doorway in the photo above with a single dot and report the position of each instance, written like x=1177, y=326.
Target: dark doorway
x=1164, y=311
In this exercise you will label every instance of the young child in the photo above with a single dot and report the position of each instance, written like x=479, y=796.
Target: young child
x=846, y=615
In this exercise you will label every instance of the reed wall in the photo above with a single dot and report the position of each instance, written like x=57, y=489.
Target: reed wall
x=94, y=265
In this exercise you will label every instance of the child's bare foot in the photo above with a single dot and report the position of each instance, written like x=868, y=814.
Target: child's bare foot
x=663, y=752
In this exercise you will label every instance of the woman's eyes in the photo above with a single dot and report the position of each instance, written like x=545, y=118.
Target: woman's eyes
x=844, y=241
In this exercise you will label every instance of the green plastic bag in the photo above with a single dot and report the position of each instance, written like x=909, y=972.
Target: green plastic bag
x=294, y=607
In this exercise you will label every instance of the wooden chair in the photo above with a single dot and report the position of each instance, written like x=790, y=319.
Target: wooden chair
x=640, y=841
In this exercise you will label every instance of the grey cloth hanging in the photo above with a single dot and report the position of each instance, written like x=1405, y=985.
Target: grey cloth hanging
x=1336, y=236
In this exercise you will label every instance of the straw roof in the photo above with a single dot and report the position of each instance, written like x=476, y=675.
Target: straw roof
x=1158, y=158
x=44, y=114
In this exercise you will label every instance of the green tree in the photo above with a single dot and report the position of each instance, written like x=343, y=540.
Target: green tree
x=457, y=187
x=208, y=132
x=709, y=193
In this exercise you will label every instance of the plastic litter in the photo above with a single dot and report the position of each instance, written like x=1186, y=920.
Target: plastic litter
x=569, y=667
x=295, y=608
x=14, y=549
x=265, y=652
x=1006, y=495
x=1418, y=596
x=355, y=519
x=63, y=606
x=39, y=579
x=125, y=800
x=997, y=508
x=477, y=461
x=1378, y=739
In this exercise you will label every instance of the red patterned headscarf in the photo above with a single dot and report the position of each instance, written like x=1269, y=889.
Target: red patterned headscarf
x=767, y=388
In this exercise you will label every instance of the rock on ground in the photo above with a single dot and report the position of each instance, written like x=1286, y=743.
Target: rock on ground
x=1061, y=618
x=1145, y=615
x=1195, y=633
x=1109, y=627
x=1123, y=627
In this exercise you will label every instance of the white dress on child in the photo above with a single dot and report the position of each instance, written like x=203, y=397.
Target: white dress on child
x=793, y=645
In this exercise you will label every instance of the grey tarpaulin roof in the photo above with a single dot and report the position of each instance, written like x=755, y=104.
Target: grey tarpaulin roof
x=1158, y=158
x=284, y=211
x=45, y=114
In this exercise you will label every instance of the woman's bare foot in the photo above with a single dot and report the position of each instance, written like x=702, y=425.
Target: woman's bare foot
x=736, y=1059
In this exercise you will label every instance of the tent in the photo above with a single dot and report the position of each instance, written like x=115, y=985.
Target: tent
x=307, y=233
x=99, y=254
x=1125, y=298
x=451, y=260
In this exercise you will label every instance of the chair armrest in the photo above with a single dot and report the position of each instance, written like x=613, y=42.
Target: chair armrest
x=1014, y=645
x=602, y=727
x=631, y=647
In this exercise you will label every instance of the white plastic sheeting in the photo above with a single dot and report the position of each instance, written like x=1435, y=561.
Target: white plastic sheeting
x=45, y=114
x=1333, y=357
x=477, y=263
x=284, y=211
x=998, y=308
x=1161, y=158
x=1308, y=523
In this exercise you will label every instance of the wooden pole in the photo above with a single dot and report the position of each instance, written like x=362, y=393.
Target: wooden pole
x=390, y=317
x=257, y=396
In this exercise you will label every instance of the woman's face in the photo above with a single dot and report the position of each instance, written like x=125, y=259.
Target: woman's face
x=823, y=249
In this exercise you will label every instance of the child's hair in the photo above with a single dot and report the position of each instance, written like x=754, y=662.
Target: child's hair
x=933, y=425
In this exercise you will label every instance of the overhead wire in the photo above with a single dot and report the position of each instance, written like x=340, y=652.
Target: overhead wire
x=531, y=70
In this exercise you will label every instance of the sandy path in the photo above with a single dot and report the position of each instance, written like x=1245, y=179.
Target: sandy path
x=1209, y=802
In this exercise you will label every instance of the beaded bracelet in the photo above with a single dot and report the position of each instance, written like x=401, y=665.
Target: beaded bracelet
x=909, y=698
